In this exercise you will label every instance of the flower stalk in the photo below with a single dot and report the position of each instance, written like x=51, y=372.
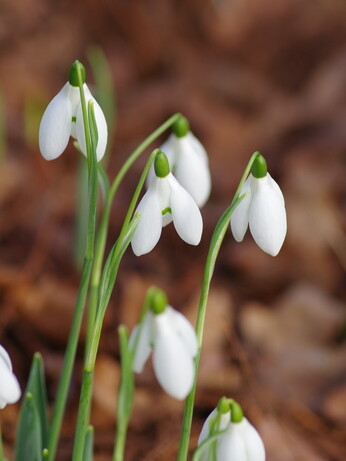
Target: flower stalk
x=70, y=354
x=214, y=248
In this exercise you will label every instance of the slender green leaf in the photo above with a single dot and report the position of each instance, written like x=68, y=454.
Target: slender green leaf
x=45, y=454
x=28, y=440
x=88, y=444
x=37, y=388
x=125, y=395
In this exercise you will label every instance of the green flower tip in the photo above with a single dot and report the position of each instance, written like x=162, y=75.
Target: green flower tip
x=237, y=413
x=259, y=166
x=158, y=301
x=161, y=165
x=73, y=77
x=181, y=127
x=224, y=405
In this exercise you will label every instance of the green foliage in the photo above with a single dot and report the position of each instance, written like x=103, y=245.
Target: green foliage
x=29, y=436
x=88, y=444
x=33, y=426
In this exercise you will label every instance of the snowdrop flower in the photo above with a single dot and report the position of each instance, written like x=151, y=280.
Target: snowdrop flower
x=9, y=387
x=188, y=160
x=170, y=337
x=237, y=440
x=165, y=201
x=63, y=118
x=262, y=208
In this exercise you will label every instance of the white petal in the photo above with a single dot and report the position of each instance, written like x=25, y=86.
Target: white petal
x=205, y=432
x=75, y=98
x=173, y=366
x=253, y=443
x=240, y=216
x=9, y=386
x=187, y=218
x=192, y=169
x=267, y=216
x=166, y=219
x=55, y=127
x=164, y=192
x=141, y=339
x=231, y=446
x=168, y=148
x=101, y=128
x=149, y=227
x=6, y=358
x=184, y=329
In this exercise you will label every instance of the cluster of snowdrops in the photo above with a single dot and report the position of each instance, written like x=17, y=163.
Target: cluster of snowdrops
x=178, y=184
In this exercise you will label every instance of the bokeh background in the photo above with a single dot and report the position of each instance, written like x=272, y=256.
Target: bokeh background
x=250, y=75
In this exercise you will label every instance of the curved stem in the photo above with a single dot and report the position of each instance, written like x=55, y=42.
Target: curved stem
x=101, y=236
x=70, y=354
x=214, y=248
x=103, y=299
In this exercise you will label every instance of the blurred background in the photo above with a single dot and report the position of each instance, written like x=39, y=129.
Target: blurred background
x=250, y=75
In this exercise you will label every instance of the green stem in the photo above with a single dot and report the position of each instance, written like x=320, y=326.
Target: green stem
x=125, y=396
x=214, y=248
x=70, y=354
x=101, y=236
x=103, y=299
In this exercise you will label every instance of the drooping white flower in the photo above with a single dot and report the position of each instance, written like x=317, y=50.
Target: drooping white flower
x=170, y=337
x=189, y=162
x=9, y=386
x=263, y=210
x=238, y=441
x=242, y=442
x=63, y=118
x=165, y=201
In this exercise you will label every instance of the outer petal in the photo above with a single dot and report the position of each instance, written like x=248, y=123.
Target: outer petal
x=253, y=443
x=100, y=123
x=5, y=357
x=141, y=339
x=9, y=386
x=224, y=421
x=231, y=445
x=149, y=227
x=240, y=216
x=184, y=329
x=173, y=365
x=267, y=216
x=55, y=127
x=192, y=169
x=187, y=218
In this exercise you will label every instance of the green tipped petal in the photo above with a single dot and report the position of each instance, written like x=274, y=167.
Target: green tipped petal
x=224, y=405
x=73, y=77
x=237, y=413
x=259, y=167
x=158, y=301
x=161, y=165
x=181, y=127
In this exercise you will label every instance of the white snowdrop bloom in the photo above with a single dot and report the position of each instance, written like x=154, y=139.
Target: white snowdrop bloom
x=9, y=386
x=165, y=201
x=172, y=340
x=189, y=162
x=239, y=440
x=263, y=209
x=63, y=118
